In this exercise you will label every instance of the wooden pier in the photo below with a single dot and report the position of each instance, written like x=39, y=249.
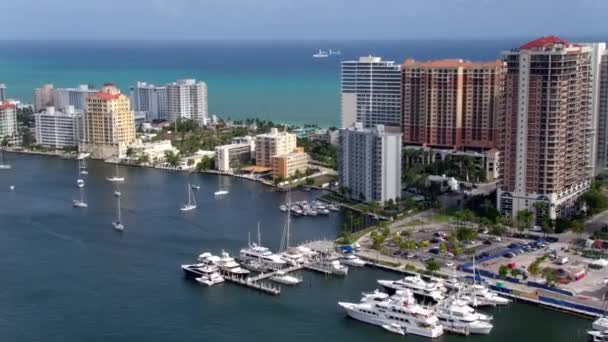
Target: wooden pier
x=253, y=284
x=267, y=275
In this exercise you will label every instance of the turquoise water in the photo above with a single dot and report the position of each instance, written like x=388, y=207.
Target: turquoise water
x=276, y=80
x=68, y=276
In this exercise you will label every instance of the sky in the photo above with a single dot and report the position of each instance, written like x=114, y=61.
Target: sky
x=299, y=19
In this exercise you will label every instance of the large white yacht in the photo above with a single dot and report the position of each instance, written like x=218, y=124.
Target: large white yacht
x=600, y=324
x=478, y=295
x=428, y=290
x=353, y=260
x=262, y=254
x=461, y=318
x=398, y=314
x=227, y=264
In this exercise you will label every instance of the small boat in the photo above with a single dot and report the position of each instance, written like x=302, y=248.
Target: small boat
x=394, y=328
x=320, y=54
x=3, y=165
x=285, y=279
x=210, y=279
x=283, y=207
x=598, y=336
x=353, y=260
x=84, y=172
x=80, y=183
x=323, y=211
x=221, y=193
x=116, y=177
x=117, y=193
x=80, y=203
x=600, y=324
x=334, y=207
x=11, y=188
x=196, y=187
x=191, y=205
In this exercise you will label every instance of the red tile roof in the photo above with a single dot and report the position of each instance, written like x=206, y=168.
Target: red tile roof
x=108, y=84
x=106, y=96
x=449, y=63
x=544, y=41
x=5, y=105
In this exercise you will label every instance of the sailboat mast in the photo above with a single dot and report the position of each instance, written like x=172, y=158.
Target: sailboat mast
x=259, y=236
x=288, y=219
x=119, y=216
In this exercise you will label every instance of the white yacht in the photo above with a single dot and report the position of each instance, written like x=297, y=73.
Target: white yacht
x=478, y=295
x=320, y=54
x=196, y=187
x=221, y=193
x=398, y=314
x=598, y=336
x=191, y=205
x=210, y=279
x=428, y=290
x=262, y=254
x=80, y=183
x=227, y=264
x=335, y=267
x=600, y=324
x=116, y=177
x=353, y=260
x=283, y=207
x=462, y=319
x=286, y=279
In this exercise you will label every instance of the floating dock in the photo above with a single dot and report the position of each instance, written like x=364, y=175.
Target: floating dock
x=253, y=284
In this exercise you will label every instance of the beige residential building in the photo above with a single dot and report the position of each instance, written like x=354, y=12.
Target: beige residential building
x=43, y=97
x=108, y=124
x=272, y=144
x=286, y=165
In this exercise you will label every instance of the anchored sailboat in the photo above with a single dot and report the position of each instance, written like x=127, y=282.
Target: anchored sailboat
x=191, y=201
x=80, y=203
x=3, y=165
x=116, y=178
x=118, y=223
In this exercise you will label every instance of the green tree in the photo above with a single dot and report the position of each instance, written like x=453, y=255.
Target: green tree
x=407, y=245
x=465, y=234
x=143, y=159
x=207, y=163
x=549, y=275
x=442, y=247
x=524, y=219
x=396, y=239
x=130, y=152
x=377, y=239
x=503, y=271
x=577, y=227
x=432, y=266
x=171, y=158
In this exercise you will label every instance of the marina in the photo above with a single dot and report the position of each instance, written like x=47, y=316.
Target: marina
x=138, y=272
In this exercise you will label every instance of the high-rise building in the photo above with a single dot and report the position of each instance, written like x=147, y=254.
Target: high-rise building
x=544, y=145
x=108, y=124
x=76, y=97
x=371, y=92
x=451, y=103
x=8, y=123
x=602, y=114
x=272, y=144
x=369, y=162
x=56, y=129
x=150, y=99
x=43, y=97
x=2, y=92
x=187, y=99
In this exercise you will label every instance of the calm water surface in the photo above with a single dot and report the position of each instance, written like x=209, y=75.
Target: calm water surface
x=68, y=276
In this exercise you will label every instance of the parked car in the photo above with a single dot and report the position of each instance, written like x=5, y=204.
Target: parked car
x=487, y=242
x=509, y=255
x=496, y=238
x=434, y=250
x=449, y=263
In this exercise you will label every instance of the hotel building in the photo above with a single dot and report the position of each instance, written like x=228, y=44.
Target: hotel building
x=545, y=152
x=371, y=92
x=108, y=124
x=8, y=123
x=56, y=129
x=369, y=162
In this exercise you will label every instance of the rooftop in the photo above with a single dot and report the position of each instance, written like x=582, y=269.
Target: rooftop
x=5, y=105
x=449, y=63
x=544, y=41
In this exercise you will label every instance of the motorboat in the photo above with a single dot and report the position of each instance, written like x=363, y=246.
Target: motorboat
x=460, y=318
x=353, y=260
x=598, y=336
x=334, y=207
x=478, y=295
x=221, y=193
x=80, y=183
x=116, y=177
x=320, y=54
x=210, y=279
x=118, y=226
x=283, y=207
x=3, y=165
x=335, y=267
x=600, y=324
x=79, y=204
x=399, y=310
x=263, y=255
x=284, y=278
x=196, y=187
x=427, y=290
x=227, y=264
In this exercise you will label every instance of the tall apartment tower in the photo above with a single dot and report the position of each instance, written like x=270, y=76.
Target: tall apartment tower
x=451, y=103
x=150, y=99
x=2, y=92
x=371, y=92
x=369, y=162
x=108, y=124
x=545, y=127
x=43, y=97
x=76, y=97
x=187, y=99
x=8, y=123
x=602, y=114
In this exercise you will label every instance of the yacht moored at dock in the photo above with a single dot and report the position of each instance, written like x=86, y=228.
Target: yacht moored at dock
x=426, y=290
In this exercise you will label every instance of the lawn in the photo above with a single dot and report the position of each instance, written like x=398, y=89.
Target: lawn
x=441, y=218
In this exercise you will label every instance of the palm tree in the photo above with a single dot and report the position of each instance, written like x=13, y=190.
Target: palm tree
x=524, y=219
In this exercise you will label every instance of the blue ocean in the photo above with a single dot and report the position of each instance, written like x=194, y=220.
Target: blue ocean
x=274, y=80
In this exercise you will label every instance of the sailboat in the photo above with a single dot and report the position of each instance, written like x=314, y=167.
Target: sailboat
x=82, y=165
x=3, y=166
x=191, y=201
x=118, y=223
x=283, y=277
x=80, y=203
x=116, y=178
